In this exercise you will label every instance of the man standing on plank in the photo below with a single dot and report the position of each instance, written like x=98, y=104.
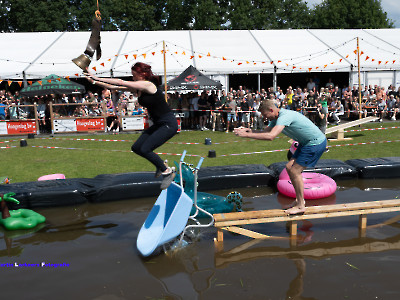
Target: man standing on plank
x=312, y=144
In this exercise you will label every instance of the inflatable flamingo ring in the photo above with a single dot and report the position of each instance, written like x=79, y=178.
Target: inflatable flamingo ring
x=316, y=186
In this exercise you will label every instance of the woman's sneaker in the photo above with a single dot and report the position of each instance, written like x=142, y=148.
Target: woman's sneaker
x=167, y=180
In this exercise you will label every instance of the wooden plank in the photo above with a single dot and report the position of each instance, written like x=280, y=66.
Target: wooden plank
x=246, y=232
x=350, y=124
x=306, y=216
x=310, y=210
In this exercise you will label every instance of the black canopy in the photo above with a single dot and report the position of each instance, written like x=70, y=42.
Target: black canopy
x=52, y=84
x=192, y=79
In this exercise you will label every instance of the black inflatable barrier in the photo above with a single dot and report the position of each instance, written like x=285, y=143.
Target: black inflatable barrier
x=235, y=176
x=113, y=187
x=381, y=167
x=49, y=193
x=333, y=168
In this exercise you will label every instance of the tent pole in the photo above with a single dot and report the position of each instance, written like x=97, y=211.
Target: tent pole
x=165, y=73
x=274, y=79
x=359, y=75
x=259, y=82
x=24, y=79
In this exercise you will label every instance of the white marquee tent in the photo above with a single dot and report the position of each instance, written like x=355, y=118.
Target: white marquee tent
x=26, y=56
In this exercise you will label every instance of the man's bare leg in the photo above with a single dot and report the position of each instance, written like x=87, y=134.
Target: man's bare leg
x=294, y=170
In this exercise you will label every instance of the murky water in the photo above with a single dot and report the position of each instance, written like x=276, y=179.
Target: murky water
x=95, y=248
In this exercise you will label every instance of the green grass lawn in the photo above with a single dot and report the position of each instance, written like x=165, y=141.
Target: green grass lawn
x=90, y=158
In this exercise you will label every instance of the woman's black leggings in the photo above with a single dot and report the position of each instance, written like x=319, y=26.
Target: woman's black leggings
x=153, y=137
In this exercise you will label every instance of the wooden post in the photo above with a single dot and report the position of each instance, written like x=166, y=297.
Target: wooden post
x=51, y=117
x=362, y=225
x=293, y=228
x=359, y=79
x=165, y=74
x=220, y=235
x=36, y=118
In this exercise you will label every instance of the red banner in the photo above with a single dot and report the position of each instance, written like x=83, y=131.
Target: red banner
x=20, y=127
x=89, y=124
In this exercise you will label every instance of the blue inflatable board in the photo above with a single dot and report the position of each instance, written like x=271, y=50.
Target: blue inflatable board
x=166, y=220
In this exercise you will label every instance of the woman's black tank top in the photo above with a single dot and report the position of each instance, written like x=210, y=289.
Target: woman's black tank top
x=155, y=104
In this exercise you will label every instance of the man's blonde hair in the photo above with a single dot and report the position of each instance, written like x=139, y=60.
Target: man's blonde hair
x=266, y=105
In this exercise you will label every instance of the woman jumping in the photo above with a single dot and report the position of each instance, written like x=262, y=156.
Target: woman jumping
x=151, y=97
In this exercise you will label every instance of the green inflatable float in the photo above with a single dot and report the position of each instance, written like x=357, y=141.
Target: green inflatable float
x=20, y=218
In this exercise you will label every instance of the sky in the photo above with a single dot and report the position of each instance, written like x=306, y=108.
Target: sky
x=391, y=7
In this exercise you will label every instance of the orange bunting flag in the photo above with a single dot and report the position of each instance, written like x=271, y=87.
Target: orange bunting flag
x=94, y=68
x=279, y=61
x=29, y=82
x=332, y=63
x=144, y=55
x=49, y=80
x=1, y=80
x=239, y=64
x=208, y=54
x=191, y=56
x=247, y=62
x=367, y=57
x=317, y=68
x=126, y=56
x=109, y=59
x=294, y=67
x=271, y=62
x=153, y=53
x=254, y=63
x=309, y=69
x=40, y=82
x=362, y=52
x=176, y=52
x=102, y=64
x=76, y=74
x=200, y=56
x=134, y=56
x=340, y=60
x=394, y=61
x=9, y=82
x=223, y=58
x=20, y=83
x=68, y=78
x=286, y=65
x=373, y=59
x=325, y=66
x=347, y=56
x=355, y=51
x=183, y=53
x=386, y=62
x=379, y=62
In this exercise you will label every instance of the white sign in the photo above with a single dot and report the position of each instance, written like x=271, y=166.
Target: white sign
x=133, y=123
x=65, y=125
x=3, y=127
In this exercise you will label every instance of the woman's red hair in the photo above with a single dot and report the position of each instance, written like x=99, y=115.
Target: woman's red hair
x=144, y=70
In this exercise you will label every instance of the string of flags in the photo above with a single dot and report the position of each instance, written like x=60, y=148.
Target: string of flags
x=286, y=64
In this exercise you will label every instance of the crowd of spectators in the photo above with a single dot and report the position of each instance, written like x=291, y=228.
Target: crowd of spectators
x=213, y=110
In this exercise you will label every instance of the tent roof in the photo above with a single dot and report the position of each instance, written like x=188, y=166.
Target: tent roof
x=52, y=84
x=192, y=79
x=38, y=54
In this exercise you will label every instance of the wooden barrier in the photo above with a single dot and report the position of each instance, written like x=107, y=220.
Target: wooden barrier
x=230, y=221
x=338, y=131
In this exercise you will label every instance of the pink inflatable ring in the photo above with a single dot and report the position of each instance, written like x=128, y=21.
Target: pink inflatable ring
x=316, y=186
x=51, y=177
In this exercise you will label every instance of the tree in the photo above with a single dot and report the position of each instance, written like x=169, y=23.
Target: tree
x=209, y=15
x=273, y=14
x=335, y=14
x=28, y=15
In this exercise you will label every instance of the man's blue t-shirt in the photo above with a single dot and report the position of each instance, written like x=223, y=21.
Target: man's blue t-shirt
x=2, y=110
x=298, y=127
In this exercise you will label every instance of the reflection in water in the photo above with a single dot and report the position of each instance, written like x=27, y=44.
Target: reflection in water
x=180, y=274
